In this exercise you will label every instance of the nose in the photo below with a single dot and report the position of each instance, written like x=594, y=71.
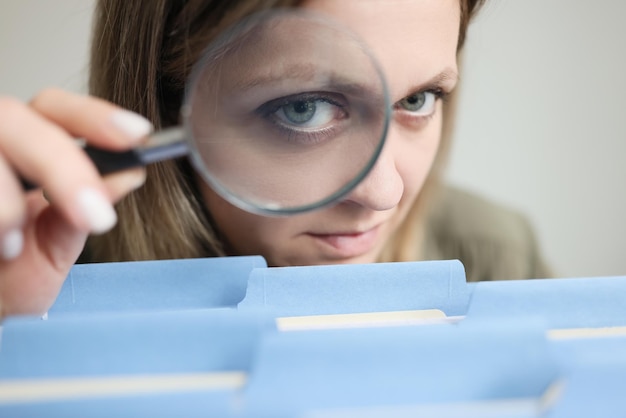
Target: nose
x=383, y=186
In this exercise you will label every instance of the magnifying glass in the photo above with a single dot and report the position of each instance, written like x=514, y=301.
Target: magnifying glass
x=285, y=112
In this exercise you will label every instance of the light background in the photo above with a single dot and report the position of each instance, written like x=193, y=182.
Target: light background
x=541, y=127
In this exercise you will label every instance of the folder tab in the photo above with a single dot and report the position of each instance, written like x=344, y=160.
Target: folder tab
x=155, y=285
x=561, y=303
x=343, y=289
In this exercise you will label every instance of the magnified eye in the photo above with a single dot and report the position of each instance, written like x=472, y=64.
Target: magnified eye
x=307, y=117
x=421, y=103
x=306, y=113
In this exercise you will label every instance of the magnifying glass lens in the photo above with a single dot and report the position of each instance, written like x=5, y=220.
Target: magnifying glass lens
x=286, y=112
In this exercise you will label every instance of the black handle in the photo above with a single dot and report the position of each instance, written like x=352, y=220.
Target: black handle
x=164, y=145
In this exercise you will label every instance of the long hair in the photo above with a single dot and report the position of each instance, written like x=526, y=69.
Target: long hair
x=142, y=53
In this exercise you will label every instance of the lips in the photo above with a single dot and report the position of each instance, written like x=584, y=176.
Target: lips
x=348, y=244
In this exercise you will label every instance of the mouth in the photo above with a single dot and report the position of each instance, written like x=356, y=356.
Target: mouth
x=349, y=243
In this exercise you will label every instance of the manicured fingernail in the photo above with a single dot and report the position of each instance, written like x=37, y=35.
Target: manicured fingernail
x=96, y=210
x=134, y=179
x=12, y=244
x=132, y=125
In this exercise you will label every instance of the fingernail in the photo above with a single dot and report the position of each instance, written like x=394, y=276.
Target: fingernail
x=135, y=179
x=97, y=210
x=132, y=125
x=126, y=181
x=12, y=244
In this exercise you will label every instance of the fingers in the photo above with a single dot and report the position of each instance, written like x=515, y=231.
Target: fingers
x=11, y=210
x=37, y=142
x=30, y=284
x=121, y=183
x=46, y=155
x=102, y=123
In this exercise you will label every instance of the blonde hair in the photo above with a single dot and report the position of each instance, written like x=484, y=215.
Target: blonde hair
x=142, y=53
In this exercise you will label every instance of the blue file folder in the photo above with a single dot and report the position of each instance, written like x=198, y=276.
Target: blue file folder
x=217, y=315
x=382, y=367
x=562, y=303
x=155, y=345
x=116, y=344
x=247, y=283
x=593, y=391
x=336, y=289
x=155, y=285
x=288, y=373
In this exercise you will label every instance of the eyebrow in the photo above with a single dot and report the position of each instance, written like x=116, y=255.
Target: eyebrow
x=307, y=72
x=296, y=72
x=438, y=80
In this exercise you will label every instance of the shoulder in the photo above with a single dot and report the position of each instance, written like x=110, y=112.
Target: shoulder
x=493, y=241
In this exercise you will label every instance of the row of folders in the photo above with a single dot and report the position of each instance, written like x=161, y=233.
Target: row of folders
x=230, y=337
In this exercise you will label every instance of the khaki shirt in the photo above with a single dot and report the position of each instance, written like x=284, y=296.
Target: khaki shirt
x=492, y=241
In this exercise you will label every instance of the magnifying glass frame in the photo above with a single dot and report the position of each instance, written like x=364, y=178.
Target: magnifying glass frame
x=241, y=28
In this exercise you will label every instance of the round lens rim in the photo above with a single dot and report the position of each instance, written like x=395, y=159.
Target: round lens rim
x=248, y=204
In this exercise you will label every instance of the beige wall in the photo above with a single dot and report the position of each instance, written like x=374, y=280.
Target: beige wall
x=43, y=43
x=543, y=125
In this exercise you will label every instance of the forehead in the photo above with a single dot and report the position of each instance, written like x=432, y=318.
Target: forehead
x=414, y=40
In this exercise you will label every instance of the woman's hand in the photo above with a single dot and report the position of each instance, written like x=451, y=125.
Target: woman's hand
x=41, y=237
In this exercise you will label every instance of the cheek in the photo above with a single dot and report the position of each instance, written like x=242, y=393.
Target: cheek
x=245, y=233
x=230, y=222
x=240, y=229
x=416, y=152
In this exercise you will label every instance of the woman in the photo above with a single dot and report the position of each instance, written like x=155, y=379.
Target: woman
x=141, y=56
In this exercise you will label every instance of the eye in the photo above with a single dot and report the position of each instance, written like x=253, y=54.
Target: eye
x=306, y=113
x=306, y=117
x=419, y=104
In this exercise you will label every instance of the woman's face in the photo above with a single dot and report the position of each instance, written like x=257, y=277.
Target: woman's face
x=415, y=43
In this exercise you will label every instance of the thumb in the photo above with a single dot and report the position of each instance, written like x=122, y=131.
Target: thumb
x=30, y=283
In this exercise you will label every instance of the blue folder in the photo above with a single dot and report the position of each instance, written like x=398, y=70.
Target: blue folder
x=319, y=290
x=189, y=316
x=301, y=371
x=336, y=289
x=131, y=343
x=288, y=373
x=155, y=285
x=562, y=303
x=247, y=282
x=157, y=344
x=593, y=391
